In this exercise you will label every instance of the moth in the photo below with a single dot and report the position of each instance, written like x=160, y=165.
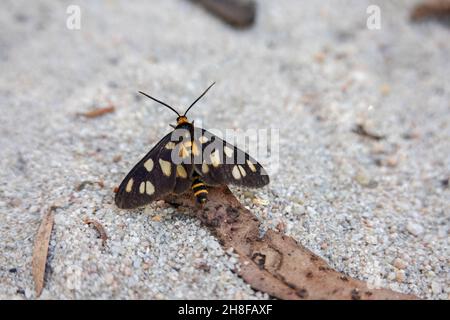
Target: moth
x=188, y=158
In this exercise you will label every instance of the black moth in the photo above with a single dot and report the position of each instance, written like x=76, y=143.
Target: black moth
x=188, y=158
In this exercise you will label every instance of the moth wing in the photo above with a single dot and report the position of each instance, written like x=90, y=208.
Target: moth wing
x=222, y=163
x=150, y=179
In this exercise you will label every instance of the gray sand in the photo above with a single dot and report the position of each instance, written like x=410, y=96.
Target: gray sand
x=375, y=210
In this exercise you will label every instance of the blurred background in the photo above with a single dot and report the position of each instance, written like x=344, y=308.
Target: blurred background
x=359, y=91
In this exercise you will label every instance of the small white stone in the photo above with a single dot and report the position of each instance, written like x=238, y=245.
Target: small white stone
x=311, y=211
x=436, y=287
x=400, y=275
x=136, y=263
x=109, y=278
x=399, y=264
x=414, y=228
x=28, y=293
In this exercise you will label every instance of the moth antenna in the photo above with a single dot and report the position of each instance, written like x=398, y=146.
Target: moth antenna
x=164, y=104
x=199, y=98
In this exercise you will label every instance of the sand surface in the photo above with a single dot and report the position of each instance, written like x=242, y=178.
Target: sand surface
x=375, y=210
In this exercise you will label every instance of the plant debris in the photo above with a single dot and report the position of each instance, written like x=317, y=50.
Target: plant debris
x=95, y=113
x=40, y=250
x=99, y=229
x=431, y=9
x=85, y=183
x=361, y=130
x=237, y=13
x=275, y=264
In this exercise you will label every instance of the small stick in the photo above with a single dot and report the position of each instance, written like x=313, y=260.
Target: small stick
x=362, y=131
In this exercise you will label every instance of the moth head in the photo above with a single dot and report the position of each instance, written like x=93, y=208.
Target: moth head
x=181, y=120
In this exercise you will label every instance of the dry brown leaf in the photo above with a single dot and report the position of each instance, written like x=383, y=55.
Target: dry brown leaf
x=275, y=264
x=40, y=250
x=101, y=231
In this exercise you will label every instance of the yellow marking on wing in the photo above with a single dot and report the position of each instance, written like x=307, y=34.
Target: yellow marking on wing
x=149, y=188
x=215, y=158
x=235, y=172
x=181, y=172
x=203, y=139
x=195, y=149
x=148, y=165
x=251, y=166
x=166, y=167
x=228, y=151
x=170, y=145
x=242, y=171
x=129, y=186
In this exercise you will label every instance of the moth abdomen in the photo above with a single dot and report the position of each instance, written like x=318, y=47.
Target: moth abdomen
x=200, y=190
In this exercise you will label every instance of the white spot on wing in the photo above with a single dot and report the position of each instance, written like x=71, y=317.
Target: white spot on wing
x=203, y=139
x=251, y=166
x=129, y=185
x=149, y=188
x=170, y=145
x=148, y=165
x=142, y=187
x=195, y=149
x=242, y=171
x=215, y=158
x=205, y=168
x=235, y=172
x=228, y=151
x=166, y=167
x=181, y=172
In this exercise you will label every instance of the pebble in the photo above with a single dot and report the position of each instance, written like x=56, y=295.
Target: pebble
x=260, y=202
x=399, y=263
x=311, y=211
x=414, y=228
x=157, y=218
x=365, y=180
x=400, y=275
x=109, y=278
x=436, y=287
x=29, y=293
